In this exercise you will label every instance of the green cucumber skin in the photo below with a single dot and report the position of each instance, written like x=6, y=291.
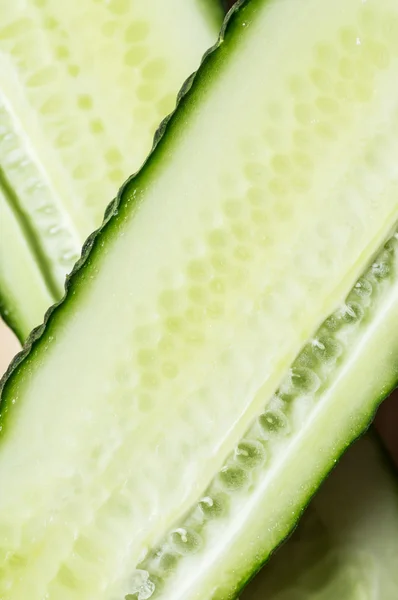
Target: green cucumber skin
x=29, y=235
x=122, y=198
x=215, y=14
x=12, y=312
x=125, y=201
x=358, y=454
x=232, y=6
x=362, y=427
x=9, y=311
x=297, y=517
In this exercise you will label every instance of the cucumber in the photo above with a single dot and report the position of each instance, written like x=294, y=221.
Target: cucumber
x=83, y=86
x=346, y=545
x=229, y=330
x=24, y=293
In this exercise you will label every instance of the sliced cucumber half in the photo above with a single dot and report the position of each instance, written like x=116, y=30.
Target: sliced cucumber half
x=346, y=545
x=83, y=86
x=229, y=331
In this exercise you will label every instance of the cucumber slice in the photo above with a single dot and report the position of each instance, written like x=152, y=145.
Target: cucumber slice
x=83, y=86
x=22, y=298
x=229, y=330
x=346, y=545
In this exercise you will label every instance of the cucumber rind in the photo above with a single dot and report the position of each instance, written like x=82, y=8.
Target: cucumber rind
x=210, y=14
x=35, y=338
x=317, y=378
x=295, y=523
x=360, y=454
x=362, y=429
x=29, y=235
x=113, y=207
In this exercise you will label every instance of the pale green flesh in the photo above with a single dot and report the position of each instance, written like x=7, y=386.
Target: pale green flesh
x=22, y=298
x=346, y=546
x=83, y=86
x=248, y=227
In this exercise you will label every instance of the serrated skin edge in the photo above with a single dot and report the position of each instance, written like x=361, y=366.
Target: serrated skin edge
x=93, y=240
x=113, y=207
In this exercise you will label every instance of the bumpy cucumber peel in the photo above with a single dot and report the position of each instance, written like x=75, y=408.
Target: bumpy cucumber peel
x=346, y=544
x=64, y=148
x=319, y=371
x=93, y=241
x=112, y=209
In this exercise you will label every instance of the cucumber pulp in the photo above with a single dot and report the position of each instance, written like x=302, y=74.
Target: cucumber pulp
x=230, y=329
x=83, y=86
x=346, y=545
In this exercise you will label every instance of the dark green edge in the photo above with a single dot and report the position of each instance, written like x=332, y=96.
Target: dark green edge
x=213, y=12
x=228, y=5
x=116, y=209
x=7, y=310
x=26, y=228
x=9, y=315
x=112, y=214
x=384, y=462
x=362, y=428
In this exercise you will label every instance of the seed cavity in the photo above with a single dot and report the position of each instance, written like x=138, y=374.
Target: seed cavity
x=273, y=422
x=306, y=378
x=185, y=541
x=363, y=288
x=168, y=562
x=141, y=586
x=326, y=349
x=249, y=454
x=213, y=506
x=233, y=478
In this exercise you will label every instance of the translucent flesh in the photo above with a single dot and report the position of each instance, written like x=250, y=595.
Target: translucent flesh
x=83, y=87
x=268, y=198
x=346, y=546
x=31, y=287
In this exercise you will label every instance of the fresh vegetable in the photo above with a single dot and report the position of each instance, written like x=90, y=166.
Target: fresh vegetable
x=83, y=86
x=230, y=329
x=346, y=545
